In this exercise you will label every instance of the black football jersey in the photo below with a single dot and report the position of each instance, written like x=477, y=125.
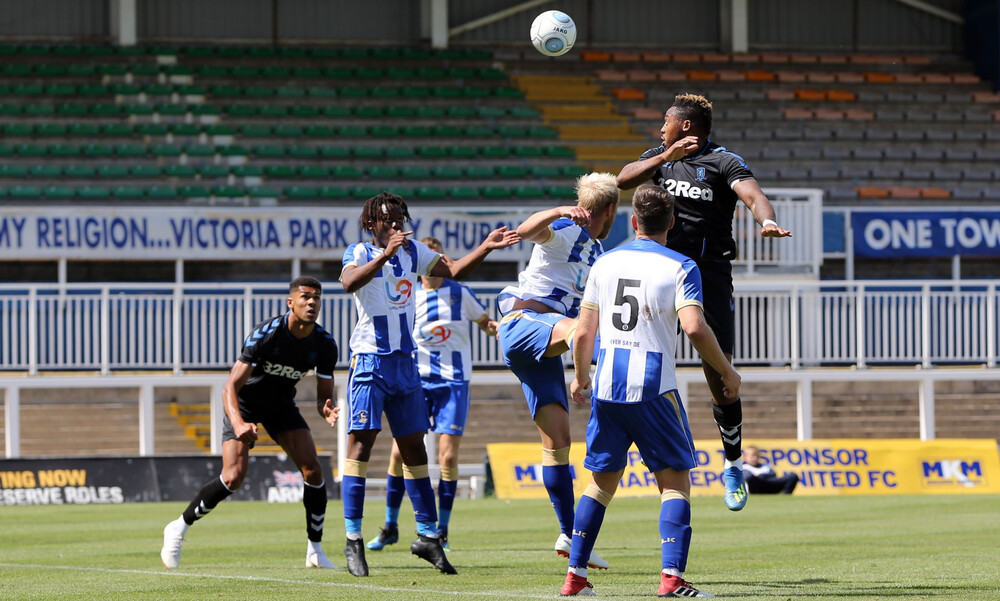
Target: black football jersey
x=704, y=205
x=280, y=359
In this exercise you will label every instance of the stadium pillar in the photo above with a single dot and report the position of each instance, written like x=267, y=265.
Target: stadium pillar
x=123, y=22
x=146, y=421
x=12, y=421
x=734, y=27
x=434, y=22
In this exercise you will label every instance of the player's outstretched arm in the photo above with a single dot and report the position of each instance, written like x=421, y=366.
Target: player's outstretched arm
x=458, y=269
x=488, y=325
x=692, y=319
x=639, y=172
x=583, y=351
x=754, y=198
x=536, y=227
x=238, y=376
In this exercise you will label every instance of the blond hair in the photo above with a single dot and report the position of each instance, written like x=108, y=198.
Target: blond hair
x=597, y=191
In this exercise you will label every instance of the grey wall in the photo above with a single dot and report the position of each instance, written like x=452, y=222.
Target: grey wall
x=54, y=19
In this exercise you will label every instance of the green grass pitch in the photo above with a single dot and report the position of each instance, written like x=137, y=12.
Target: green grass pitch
x=778, y=548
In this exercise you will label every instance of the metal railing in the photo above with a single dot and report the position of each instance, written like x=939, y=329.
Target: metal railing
x=797, y=324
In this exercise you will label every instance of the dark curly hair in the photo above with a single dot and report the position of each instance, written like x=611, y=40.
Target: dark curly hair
x=379, y=205
x=696, y=109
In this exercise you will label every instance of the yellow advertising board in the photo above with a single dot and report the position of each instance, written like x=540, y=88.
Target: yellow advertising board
x=825, y=467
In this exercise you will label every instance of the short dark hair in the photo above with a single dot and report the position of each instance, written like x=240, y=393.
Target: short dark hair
x=696, y=109
x=653, y=207
x=307, y=281
x=372, y=210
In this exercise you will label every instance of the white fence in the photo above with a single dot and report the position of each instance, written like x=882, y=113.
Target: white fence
x=201, y=326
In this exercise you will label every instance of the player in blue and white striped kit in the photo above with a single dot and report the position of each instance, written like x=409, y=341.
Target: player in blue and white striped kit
x=445, y=310
x=635, y=296
x=539, y=316
x=382, y=276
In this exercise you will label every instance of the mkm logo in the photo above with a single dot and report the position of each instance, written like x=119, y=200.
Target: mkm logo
x=402, y=293
x=953, y=471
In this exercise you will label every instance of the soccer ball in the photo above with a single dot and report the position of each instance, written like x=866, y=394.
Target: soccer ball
x=553, y=33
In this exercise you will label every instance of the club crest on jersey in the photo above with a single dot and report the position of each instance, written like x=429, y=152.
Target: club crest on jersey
x=700, y=174
x=434, y=334
x=401, y=294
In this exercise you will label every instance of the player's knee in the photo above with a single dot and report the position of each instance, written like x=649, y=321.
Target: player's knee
x=233, y=477
x=312, y=472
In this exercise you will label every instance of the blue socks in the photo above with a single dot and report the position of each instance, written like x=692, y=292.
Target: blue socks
x=559, y=483
x=589, y=517
x=446, y=500
x=675, y=530
x=395, y=489
x=354, y=503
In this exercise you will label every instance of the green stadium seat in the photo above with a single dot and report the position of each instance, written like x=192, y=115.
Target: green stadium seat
x=140, y=109
x=128, y=192
x=219, y=130
x=77, y=110
x=255, y=131
x=527, y=151
x=262, y=192
x=352, y=131
x=288, y=131
x=161, y=192
x=479, y=171
x=159, y=89
x=245, y=71
x=540, y=131
x=165, y=150
x=10, y=109
x=261, y=52
x=25, y=192
x=400, y=111
x=505, y=92
x=181, y=70
x=490, y=73
x=383, y=172
x=213, y=171
x=212, y=71
x=92, y=89
x=334, y=192
x=415, y=131
x=314, y=172
x=334, y=152
x=60, y=89
x=446, y=92
x=301, y=192
x=144, y=70
x=514, y=171
x=27, y=89
x=383, y=131
x=463, y=193
x=510, y=131
x=112, y=171
x=460, y=72
x=476, y=92
x=543, y=171
x=490, y=112
x=13, y=171
x=462, y=152
x=414, y=53
x=400, y=152
x=561, y=152
x=414, y=172
x=106, y=110
x=345, y=171
x=494, y=192
x=318, y=131
x=229, y=52
x=528, y=192
x=66, y=50
x=384, y=92
x=301, y=151
x=63, y=150
x=17, y=129
x=81, y=70
x=225, y=91
x=367, y=152
x=16, y=70
x=94, y=192
x=563, y=192
x=175, y=110
x=336, y=111
x=447, y=131
x=368, y=112
x=289, y=92
x=306, y=72
x=152, y=129
x=280, y=171
x=179, y=171
x=403, y=191
x=523, y=112
x=30, y=150
x=40, y=110
x=92, y=50
x=430, y=112
x=248, y=171
x=304, y=111
x=193, y=192
x=430, y=192
x=232, y=150
x=241, y=110
x=125, y=89
x=228, y=191
x=45, y=171
x=477, y=131
x=494, y=152
x=257, y=92
x=116, y=129
x=273, y=110
x=268, y=151
x=400, y=73
x=430, y=73
x=573, y=171
x=199, y=150
x=447, y=172
x=432, y=152
x=146, y=171
x=369, y=73
x=188, y=90
x=338, y=73
x=6, y=150
x=58, y=192
x=205, y=110
x=321, y=92
x=35, y=50
x=79, y=171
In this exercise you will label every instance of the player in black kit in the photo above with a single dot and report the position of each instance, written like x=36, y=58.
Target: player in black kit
x=706, y=181
x=261, y=389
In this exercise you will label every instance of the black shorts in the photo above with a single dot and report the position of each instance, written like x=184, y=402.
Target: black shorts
x=720, y=311
x=276, y=418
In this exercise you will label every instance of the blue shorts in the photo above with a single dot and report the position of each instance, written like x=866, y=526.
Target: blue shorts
x=447, y=405
x=524, y=336
x=388, y=383
x=659, y=428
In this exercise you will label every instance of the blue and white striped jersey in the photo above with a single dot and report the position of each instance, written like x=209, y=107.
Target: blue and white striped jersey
x=557, y=270
x=638, y=288
x=385, y=304
x=442, y=331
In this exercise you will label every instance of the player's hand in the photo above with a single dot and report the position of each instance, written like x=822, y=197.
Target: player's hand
x=501, y=238
x=331, y=412
x=396, y=240
x=680, y=149
x=245, y=433
x=578, y=214
x=580, y=391
x=773, y=231
x=491, y=327
x=731, y=384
